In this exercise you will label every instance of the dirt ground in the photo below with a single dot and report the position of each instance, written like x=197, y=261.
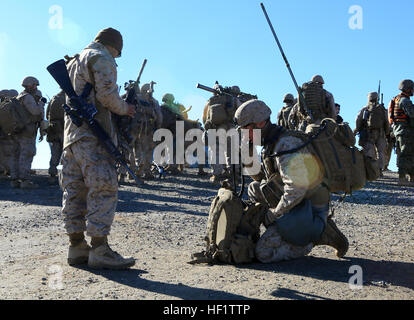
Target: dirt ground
x=164, y=222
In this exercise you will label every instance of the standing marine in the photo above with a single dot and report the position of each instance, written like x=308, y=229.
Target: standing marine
x=32, y=104
x=283, y=116
x=89, y=176
x=401, y=112
x=373, y=128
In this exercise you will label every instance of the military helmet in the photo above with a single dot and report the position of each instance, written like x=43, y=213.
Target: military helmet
x=252, y=111
x=288, y=98
x=29, y=81
x=110, y=37
x=318, y=78
x=168, y=97
x=372, y=96
x=406, y=85
x=13, y=93
x=235, y=89
x=146, y=88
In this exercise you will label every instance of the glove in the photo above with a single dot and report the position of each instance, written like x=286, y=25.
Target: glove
x=268, y=219
x=43, y=99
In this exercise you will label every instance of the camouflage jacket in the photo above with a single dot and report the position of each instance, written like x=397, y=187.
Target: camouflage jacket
x=35, y=112
x=96, y=66
x=298, y=173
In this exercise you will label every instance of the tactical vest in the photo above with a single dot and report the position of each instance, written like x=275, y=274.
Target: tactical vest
x=315, y=100
x=395, y=112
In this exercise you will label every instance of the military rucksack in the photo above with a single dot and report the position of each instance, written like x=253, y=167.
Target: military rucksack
x=55, y=111
x=376, y=116
x=233, y=229
x=314, y=100
x=13, y=116
x=221, y=109
x=333, y=144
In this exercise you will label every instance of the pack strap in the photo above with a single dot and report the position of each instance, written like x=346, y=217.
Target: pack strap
x=309, y=141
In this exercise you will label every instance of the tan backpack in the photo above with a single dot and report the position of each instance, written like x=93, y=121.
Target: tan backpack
x=333, y=144
x=314, y=99
x=233, y=230
x=13, y=116
x=220, y=109
x=376, y=116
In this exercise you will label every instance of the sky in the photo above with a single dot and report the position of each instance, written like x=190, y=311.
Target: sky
x=352, y=44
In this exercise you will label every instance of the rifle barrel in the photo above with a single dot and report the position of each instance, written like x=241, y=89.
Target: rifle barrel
x=200, y=86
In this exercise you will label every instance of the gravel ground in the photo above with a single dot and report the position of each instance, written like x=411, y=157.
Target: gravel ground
x=164, y=222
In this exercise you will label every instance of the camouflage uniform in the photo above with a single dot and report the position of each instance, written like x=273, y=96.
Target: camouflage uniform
x=375, y=144
x=404, y=134
x=296, y=187
x=222, y=146
x=8, y=146
x=89, y=177
x=294, y=178
x=55, y=115
x=283, y=116
x=147, y=120
x=27, y=138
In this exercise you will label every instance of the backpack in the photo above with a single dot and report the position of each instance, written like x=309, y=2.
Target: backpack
x=333, y=144
x=376, y=116
x=13, y=116
x=315, y=100
x=221, y=109
x=55, y=111
x=233, y=230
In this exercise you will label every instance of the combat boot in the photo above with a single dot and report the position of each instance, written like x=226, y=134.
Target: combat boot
x=403, y=181
x=333, y=237
x=78, y=249
x=27, y=184
x=101, y=256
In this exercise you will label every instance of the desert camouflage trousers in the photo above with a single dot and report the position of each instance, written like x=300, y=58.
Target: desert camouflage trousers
x=9, y=149
x=143, y=149
x=56, y=149
x=271, y=247
x=20, y=152
x=376, y=147
x=405, y=144
x=90, y=188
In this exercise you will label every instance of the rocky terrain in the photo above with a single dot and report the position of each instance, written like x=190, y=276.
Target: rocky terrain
x=164, y=222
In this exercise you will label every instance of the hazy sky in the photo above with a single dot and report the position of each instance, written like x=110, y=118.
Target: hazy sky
x=352, y=44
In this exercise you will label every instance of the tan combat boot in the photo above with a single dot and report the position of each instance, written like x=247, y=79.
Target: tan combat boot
x=101, y=256
x=403, y=181
x=78, y=250
x=333, y=237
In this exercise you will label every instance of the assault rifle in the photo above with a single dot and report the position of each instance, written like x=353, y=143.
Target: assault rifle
x=302, y=99
x=219, y=90
x=124, y=122
x=81, y=112
x=380, y=95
